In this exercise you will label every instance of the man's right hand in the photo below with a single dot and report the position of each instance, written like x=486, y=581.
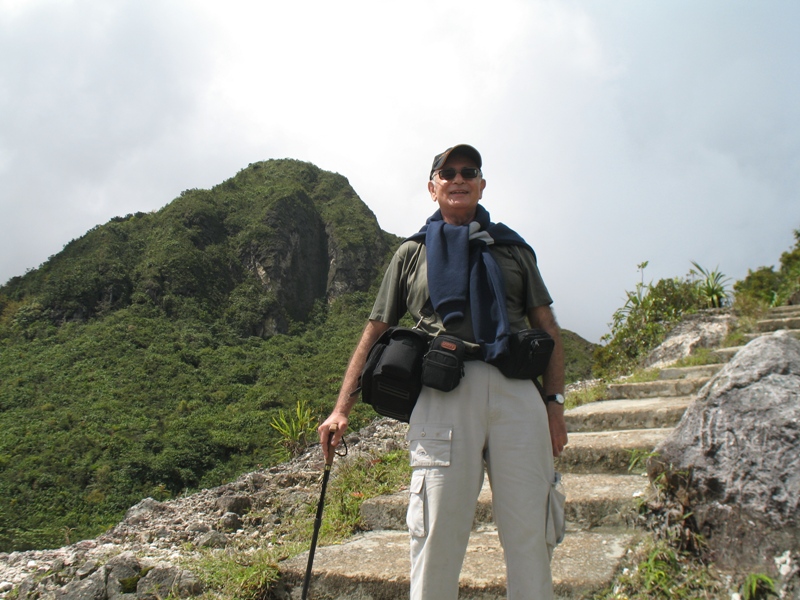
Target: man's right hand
x=330, y=442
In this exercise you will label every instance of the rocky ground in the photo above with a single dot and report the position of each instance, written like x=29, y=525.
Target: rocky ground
x=161, y=535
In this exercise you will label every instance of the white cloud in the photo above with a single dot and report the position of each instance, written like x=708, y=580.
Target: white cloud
x=612, y=133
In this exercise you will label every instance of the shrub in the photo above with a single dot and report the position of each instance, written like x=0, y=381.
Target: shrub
x=643, y=321
x=760, y=285
x=771, y=287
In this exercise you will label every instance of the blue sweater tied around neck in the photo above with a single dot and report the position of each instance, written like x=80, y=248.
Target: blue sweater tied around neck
x=463, y=273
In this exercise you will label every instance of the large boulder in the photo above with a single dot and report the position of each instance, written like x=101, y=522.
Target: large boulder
x=705, y=329
x=739, y=443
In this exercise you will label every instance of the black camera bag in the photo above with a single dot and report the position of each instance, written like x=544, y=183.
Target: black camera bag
x=392, y=376
x=443, y=365
x=529, y=353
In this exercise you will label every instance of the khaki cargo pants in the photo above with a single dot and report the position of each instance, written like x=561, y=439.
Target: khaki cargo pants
x=488, y=422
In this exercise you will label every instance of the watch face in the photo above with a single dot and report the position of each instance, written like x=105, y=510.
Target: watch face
x=557, y=398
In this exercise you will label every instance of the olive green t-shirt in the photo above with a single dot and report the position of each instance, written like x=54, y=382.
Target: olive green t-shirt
x=405, y=289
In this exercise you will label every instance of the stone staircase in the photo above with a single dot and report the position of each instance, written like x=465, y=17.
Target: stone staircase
x=601, y=500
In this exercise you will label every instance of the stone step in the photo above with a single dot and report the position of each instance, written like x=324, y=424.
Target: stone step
x=592, y=501
x=706, y=371
x=655, y=389
x=376, y=565
x=776, y=324
x=726, y=354
x=784, y=311
x=607, y=451
x=751, y=336
x=609, y=415
x=598, y=500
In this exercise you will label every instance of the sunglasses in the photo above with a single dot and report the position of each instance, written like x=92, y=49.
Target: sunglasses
x=449, y=173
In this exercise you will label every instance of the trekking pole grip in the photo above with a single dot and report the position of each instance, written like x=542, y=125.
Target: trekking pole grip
x=334, y=427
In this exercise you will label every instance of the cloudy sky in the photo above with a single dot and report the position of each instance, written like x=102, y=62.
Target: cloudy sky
x=613, y=131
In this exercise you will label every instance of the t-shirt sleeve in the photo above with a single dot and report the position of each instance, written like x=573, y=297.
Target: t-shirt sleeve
x=390, y=303
x=536, y=293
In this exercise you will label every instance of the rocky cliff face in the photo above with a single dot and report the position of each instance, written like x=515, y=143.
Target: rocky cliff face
x=315, y=230
x=312, y=238
x=292, y=263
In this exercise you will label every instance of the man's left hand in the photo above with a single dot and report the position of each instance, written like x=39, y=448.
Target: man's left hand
x=558, y=427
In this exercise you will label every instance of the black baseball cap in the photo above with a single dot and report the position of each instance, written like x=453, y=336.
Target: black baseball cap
x=463, y=149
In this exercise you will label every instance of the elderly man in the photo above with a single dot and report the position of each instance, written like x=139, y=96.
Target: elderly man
x=489, y=422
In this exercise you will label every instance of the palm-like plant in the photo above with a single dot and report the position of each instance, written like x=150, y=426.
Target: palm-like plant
x=712, y=285
x=296, y=429
x=758, y=586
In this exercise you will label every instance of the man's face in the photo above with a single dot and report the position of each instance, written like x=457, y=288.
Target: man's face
x=457, y=198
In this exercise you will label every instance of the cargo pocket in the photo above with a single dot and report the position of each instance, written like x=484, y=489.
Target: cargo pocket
x=415, y=517
x=556, y=522
x=429, y=445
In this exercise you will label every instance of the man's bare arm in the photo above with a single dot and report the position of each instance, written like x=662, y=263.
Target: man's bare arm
x=348, y=395
x=542, y=317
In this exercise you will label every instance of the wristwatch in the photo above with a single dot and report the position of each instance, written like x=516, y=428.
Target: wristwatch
x=557, y=398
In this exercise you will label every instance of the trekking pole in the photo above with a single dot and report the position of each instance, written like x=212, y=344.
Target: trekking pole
x=318, y=519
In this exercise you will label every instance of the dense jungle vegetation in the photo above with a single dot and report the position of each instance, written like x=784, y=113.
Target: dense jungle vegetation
x=152, y=356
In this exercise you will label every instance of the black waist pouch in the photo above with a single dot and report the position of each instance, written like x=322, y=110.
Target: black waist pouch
x=392, y=376
x=529, y=353
x=443, y=365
